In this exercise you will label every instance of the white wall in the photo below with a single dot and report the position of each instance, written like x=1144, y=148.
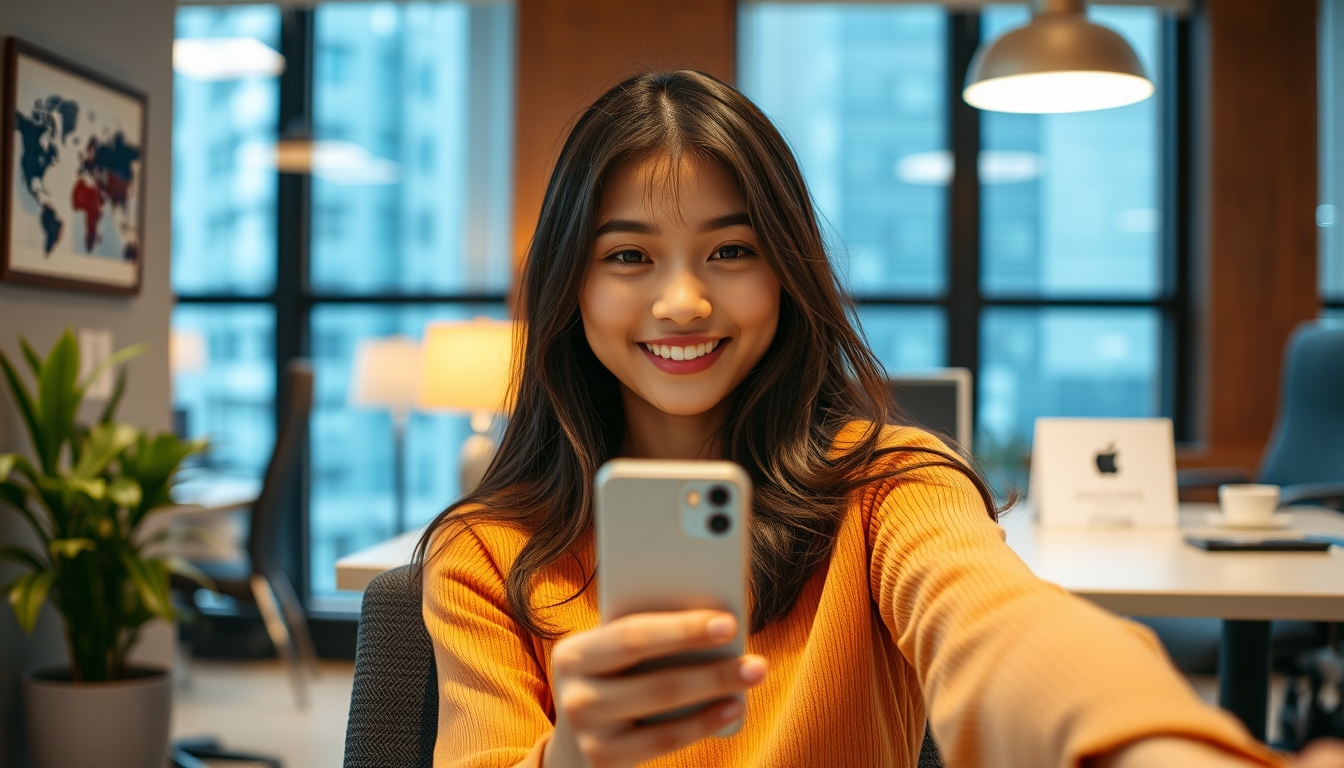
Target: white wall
x=130, y=40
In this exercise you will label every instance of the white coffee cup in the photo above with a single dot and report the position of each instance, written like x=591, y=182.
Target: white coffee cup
x=1249, y=503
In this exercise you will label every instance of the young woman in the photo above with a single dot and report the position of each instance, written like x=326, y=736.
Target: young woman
x=678, y=303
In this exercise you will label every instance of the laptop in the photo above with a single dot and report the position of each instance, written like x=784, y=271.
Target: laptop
x=1103, y=472
x=938, y=400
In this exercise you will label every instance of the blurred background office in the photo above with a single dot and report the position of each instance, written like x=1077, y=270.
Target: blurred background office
x=326, y=174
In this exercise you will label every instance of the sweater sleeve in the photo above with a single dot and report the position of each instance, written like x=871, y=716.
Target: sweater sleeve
x=1015, y=671
x=493, y=695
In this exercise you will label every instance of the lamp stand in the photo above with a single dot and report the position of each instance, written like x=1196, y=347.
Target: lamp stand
x=477, y=452
x=399, y=419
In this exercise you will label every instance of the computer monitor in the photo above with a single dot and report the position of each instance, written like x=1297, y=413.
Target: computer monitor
x=938, y=400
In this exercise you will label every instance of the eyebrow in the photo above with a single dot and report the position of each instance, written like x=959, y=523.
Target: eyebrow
x=632, y=226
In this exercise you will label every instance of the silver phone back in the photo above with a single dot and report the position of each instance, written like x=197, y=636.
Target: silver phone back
x=657, y=552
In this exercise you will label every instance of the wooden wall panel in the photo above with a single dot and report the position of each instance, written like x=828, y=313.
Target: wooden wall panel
x=1260, y=260
x=571, y=51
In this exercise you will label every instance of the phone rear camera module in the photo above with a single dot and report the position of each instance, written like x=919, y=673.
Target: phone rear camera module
x=718, y=496
x=719, y=523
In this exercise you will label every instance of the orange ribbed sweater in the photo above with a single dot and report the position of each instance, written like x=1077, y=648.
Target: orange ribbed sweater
x=922, y=611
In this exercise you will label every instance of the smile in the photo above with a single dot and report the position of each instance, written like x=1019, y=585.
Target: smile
x=689, y=352
x=683, y=358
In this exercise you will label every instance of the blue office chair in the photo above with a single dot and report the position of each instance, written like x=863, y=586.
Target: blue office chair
x=1305, y=455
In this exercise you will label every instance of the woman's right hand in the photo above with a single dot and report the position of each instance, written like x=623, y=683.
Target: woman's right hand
x=596, y=705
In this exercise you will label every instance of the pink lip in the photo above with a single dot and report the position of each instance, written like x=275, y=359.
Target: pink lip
x=684, y=366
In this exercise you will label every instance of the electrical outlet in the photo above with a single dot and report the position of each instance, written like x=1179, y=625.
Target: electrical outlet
x=95, y=346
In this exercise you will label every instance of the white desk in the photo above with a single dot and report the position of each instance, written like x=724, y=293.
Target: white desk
x=1136, y=572
x=355, y=571
x=1155, y=573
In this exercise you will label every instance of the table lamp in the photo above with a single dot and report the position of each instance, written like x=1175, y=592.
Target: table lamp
x=466, y=370
x=386, y=375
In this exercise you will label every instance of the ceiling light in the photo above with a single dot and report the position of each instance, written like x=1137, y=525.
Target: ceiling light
x=1058, y=62
x=225, y=58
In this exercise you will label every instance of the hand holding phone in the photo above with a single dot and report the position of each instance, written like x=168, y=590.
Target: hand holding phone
x=599, y=705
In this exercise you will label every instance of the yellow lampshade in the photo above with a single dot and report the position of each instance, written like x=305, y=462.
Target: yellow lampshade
x=386, y=373
x=466, y=365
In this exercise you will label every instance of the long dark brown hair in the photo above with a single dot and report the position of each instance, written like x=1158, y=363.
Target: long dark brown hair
x=817, y=376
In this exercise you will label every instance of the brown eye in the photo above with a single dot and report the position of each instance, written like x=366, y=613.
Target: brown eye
x=732, y=252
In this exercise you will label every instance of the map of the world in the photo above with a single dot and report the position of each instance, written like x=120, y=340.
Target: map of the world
x=76, y=187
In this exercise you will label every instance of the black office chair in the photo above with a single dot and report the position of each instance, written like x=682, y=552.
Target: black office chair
x=394, y=706
x=258, y=579
x=1305, y=455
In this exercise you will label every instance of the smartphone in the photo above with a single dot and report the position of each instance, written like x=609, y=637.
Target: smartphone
x=1254, y=544
x=674, y=536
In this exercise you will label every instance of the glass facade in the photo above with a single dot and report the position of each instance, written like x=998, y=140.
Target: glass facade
x=413, y=105
x=411, y=194
x=1331, y=209
x=224, y=203
x=859, y=92
x=1070, y=205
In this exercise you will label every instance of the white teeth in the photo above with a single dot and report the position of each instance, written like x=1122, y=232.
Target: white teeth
x=682, y=353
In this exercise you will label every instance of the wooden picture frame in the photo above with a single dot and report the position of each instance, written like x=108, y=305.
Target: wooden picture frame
x=72, y=160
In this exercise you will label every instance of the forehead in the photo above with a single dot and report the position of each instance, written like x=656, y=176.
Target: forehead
x=684, y=191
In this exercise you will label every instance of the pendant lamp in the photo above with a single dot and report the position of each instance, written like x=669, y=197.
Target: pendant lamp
x=1059, y=62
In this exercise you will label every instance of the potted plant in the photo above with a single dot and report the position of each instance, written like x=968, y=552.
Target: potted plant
x=86, y=495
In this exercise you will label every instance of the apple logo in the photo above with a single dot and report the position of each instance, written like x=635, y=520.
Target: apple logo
x=1106, y=460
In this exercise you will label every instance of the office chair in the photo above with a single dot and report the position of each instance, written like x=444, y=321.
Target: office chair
x=394, y=705
x=258, y=578
x=1305, y=456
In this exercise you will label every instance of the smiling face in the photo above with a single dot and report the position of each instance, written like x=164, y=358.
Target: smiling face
x=678, y=302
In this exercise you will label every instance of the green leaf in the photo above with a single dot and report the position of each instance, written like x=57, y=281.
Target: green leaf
x=95, y=488
x=7, y=461
x=27, y=594
x=105, y=443
x=150, y=578
x=31, y=356
x=16, y=497
x=58, y=397
x=124, y=492
x=117, y=391
x=15, y=554
x=69, y=548
x=24, y=401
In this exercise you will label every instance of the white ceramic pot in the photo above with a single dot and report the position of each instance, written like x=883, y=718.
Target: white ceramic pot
x=121, y=724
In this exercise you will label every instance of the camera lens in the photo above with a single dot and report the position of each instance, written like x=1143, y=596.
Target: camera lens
x=718, y=496
x=719, y=523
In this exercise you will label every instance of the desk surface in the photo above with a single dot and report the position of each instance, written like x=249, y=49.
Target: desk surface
x=1136, y=572
x=1155, y=573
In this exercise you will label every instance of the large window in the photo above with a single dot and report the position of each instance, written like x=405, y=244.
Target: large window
x=1067, y=301
x=401, y=216
x=1331, y=210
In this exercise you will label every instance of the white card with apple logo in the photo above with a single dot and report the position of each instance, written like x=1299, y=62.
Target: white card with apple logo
x=1103, y=473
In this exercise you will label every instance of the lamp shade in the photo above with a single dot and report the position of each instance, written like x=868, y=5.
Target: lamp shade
x=466, y=365
x=1059, y=62
x=386, y=374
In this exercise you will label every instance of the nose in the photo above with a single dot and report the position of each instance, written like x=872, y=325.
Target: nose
x=682, y=299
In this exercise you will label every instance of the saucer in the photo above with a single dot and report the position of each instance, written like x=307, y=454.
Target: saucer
x=1281, y=520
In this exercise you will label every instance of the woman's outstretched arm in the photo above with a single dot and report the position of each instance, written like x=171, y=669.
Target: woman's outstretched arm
x=1017, y=671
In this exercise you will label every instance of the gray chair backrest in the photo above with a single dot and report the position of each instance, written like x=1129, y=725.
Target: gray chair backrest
x=394, y=706
x=1308, y=441
x=282, y=472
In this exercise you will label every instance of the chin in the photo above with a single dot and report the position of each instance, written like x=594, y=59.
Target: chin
x=685, y=406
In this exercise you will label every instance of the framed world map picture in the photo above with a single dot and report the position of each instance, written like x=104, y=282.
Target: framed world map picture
x=73, y=195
